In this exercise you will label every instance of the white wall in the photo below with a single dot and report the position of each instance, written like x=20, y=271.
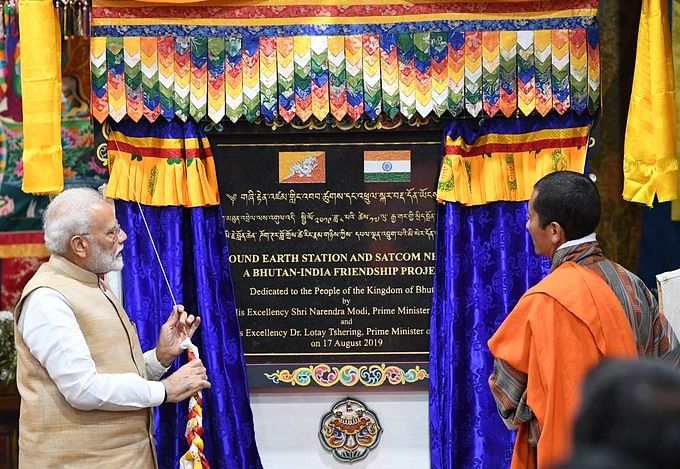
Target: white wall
x=668, y=284
x=287, y=427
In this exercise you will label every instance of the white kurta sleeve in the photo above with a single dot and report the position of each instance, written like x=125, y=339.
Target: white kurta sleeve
x=154, y=369
x=56, y=341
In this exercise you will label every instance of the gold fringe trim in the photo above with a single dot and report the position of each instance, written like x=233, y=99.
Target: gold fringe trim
x=495, y=177
x=644, y=180
x=162, y=182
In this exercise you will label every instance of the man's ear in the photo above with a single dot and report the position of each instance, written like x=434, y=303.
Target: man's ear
x=79, y=246
x=557, y=235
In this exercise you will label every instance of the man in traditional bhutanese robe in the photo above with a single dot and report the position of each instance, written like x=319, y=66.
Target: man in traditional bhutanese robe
x=654, y=336
x=559, y=329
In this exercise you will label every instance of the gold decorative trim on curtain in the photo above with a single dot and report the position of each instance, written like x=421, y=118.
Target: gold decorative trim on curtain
x=162, y=164
x=503, y=159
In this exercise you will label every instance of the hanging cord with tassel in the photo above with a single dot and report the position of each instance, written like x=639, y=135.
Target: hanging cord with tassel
x=194, y=458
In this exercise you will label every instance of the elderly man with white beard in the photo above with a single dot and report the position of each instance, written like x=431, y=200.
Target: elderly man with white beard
x=86, y=388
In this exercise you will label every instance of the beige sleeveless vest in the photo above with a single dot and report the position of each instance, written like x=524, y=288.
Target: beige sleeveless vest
x=51, y=432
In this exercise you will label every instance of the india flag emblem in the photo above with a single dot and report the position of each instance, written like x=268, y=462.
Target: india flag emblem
x=387, y=166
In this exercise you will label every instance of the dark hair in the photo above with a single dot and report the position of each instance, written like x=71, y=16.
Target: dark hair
x=631, y=408
x=570, y=199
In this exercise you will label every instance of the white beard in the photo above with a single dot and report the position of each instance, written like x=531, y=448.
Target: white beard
x=103, y=261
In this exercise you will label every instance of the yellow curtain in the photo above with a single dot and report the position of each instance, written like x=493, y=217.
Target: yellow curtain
x=650, y=165
x=675, y=210
x=41, y=96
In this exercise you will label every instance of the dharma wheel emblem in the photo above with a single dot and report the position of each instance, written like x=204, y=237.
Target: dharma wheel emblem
x=350, y=430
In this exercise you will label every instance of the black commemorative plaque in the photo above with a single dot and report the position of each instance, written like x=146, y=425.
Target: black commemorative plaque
x=331, y=243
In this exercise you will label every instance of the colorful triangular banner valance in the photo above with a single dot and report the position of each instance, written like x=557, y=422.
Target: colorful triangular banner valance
x=349, y=59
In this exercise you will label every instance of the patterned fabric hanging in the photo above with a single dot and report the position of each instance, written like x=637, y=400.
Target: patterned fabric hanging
x=354, y=76
x=302, y=50
x=233, y=73
x=134, y=97
x=543, y=67
x=268, y=79
x=407, y=82
x=198, y=91
x=99, y=98
x=491, y=61
x=161, y=164
x=440, y=79
x=116, y=80
x=456, y=70
x=182, y=77
x=578, y=70
x=286, y=71
x=389, y=74
x=251, y=79
x=320, y=77
x=423, y=69
x=508, y=72
x=473, y=73
x=166, y=76
x=150, y=84
x=503, y=158
x=3, y=61
x=336, y=69
x=297, y=59
x=526, y=72
x=217, y=79
x=371, y=68
x=560, y=70
x=593, y=70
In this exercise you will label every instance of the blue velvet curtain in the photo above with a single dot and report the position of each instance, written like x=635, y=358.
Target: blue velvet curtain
x=485, y=262
x=660, y=244
x=194, y=253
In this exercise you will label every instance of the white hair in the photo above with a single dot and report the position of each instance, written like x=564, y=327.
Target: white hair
x=69, y=214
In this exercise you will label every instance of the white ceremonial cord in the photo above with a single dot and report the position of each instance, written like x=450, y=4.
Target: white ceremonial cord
x=153, y=244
